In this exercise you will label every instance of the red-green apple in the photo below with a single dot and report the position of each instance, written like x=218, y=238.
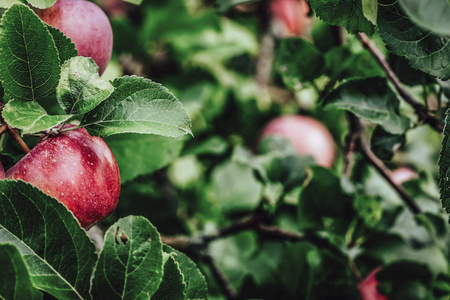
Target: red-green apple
x=86, y=25
x=77, y=169
x=307, y=135
x=368, y=287
x=289, y=16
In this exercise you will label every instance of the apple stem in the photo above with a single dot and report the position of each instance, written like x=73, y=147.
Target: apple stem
x=62, y=126
x=3, y=129
x=420, y=109
x=16, y=136
x=12, y=131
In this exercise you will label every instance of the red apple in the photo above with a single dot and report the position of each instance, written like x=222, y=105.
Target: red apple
x=307, y=135
x=86, y=25
x=368, y=287
x=403, y=174
x=77, y=169
x=2, y=172
x=289, y=16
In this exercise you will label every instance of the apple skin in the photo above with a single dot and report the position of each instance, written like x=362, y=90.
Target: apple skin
x=77, y=169
x=289, y=16
x=402, y=175
x=86, y=25
x=368, y=287
x=307, y=135
x=2, y=172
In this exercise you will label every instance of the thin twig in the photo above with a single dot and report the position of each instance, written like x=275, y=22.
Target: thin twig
x=222, y=281
x=252, y=222
x=355, y=272
x=265, y=60
x=275, y=233
x=384, y=171
x=246, y=223
x=420, y=109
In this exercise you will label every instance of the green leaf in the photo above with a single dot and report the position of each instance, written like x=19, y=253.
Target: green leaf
x=424, y=50
x=342, y=64
x=135, y=2
x=138, y=154
x=281, y=161
x=80, y=89
x=433, y=15
x=444, y=166
x=138, y=105
x=370, y=99
x=30, y=117
x=41, y=3
x=29, y=63
x=57, y=250
x=172, y=286
x=9, y=3
x=347, y=13
x=370, y=9
x=407, y=74
x=368, y=208
x=235, y=187
x=293, y=66
x=15, y=282
x=196, y=287
x=214, y=145
x=384, y=144
x=130, y=265
x=66, y=49
x=323, y=197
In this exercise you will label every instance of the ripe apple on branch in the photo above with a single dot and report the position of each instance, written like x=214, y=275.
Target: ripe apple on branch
x=68, y=163
x=77, y=169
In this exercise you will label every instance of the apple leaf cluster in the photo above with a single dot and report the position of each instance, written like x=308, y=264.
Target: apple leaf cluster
x=51, y=252
x=30, y=71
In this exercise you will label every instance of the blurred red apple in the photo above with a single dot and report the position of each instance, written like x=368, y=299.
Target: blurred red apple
x=77, y=169
x=403, y=174
x=368, y=287
x=289, y=16
x=86, y=25
x=2, y=172
x=307, y=135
